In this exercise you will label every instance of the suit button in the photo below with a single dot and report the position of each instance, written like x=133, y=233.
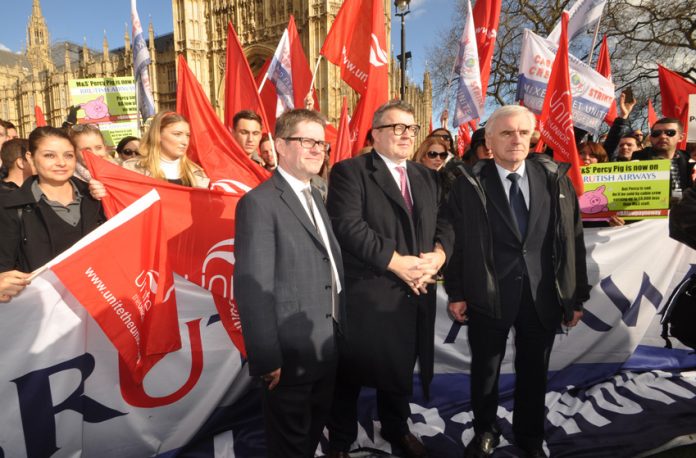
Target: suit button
x=326, y=259
x=327, y=287
x=328, y=315
x=518, y=278
x=524, y=252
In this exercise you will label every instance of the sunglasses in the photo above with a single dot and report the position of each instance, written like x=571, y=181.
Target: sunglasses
x=129, y=152
x=668, y=132
x=434, y=154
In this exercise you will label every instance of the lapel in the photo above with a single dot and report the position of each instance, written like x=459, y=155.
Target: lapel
x=335, y=247
x=496, y=195
x=385, y=180
x=538, y=197
x=419, y=189
x=288, y=196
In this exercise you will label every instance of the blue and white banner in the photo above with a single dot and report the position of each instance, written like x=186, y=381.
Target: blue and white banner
x=592, y=93
x=583, y=15
x=141, y=60
x=280, y=74
x=613, y=389
x=469, y=101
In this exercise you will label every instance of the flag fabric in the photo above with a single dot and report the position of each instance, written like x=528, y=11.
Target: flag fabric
x=469, y=100
x=241, y=92
x=652, y=115
x=357, y=44
x=212, y=144
x=583, y=15
x=40, y=118
x=141, y=60
x=486, y=19
x=344, y=148
x=268, y=95
x=463, y=139
x=675, y=92
x=130, y=296
x=556, y=121
x=280, y=74
x=604, y=69
x=198, y=230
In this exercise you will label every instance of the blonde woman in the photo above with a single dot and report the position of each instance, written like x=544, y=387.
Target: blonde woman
x=163, y=150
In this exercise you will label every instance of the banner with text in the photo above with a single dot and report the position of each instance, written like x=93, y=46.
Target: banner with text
x=592, y=93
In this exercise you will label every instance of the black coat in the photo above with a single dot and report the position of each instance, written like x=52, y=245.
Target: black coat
x=552, y=254
x=28, y=243
x=680, y=157
x=682, y=219
x=388, y=327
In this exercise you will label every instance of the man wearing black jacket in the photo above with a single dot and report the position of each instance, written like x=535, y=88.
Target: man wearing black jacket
x=518, y=261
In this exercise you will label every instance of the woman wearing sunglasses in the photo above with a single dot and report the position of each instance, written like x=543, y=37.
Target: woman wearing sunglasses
x=128, y=148
x=432, y=153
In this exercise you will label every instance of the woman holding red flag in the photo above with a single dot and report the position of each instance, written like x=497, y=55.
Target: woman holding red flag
x=51, y=210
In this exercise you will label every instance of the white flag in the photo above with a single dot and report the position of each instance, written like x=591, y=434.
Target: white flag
x=469, y=104
x=583, y=15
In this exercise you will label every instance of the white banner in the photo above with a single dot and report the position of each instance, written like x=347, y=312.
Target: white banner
x=592, y=93
x=691, y=129
x=65, y=395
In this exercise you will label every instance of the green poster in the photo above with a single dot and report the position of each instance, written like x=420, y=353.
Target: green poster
x=630, y=190
x=108, y=102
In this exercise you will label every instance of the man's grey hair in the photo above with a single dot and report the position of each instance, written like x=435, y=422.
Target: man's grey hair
x=395, y=104
x=506, y=111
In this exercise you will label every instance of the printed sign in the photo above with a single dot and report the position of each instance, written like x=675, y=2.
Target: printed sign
x=630, y=190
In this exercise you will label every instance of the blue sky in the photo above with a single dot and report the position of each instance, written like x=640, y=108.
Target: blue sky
x=77, y=20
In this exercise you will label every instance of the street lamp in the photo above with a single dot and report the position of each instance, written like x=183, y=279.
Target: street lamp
x=402, y=9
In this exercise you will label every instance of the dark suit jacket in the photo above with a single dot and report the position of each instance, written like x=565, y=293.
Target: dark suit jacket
x=388, y=326
x=282, y=284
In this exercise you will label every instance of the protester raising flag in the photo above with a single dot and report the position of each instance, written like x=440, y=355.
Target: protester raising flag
x=198, y=230
x=604, y=69
x=469, y=100
x=241, y=92
x=556, y=121
x=130, y=295
x=344, y=145
x=583, y=15
x=357, y=44
x=675, y=92
x=212, y=144
x=486, y=19
x=141, y=59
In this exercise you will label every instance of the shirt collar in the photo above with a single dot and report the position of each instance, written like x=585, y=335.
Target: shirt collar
x=391, y=164
x=297, y=185
x=503, y=172
x=38, y=192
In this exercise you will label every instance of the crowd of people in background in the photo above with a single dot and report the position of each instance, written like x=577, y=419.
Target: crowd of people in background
x=391, y=253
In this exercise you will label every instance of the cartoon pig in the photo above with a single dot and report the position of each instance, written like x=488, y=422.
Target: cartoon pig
x=594, y=201
x=95, y=109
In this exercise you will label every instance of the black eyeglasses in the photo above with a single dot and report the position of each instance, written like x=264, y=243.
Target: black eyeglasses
x=309, y=143
x=399, y=129
x=129, y=152
x=668, y=132
x=434, y=154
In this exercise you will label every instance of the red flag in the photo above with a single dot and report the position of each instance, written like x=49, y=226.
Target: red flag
x=130, y=296
x=604, y=69
x=357, y=45
x=344, y=147
x=556, y=121
x=268, y=94
x=241, y=92
x=40, y=119
x=199, y=231
x=486, y=19
x=675, y=92
x=430, y=127
x=301, y=72
x=652, y=116
x=463, y=139
x=212, y=144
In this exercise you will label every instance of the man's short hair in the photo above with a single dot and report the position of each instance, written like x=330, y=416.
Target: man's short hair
x=12, y=150
x=506, y=111
x=246, y=114
x=670, y=121
x=265, y=138
x=288, y=121
x=631, y=135
x=395, y=104
x=7, y=125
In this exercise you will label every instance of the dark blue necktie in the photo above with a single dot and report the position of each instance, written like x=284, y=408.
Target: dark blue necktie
x=519, y=208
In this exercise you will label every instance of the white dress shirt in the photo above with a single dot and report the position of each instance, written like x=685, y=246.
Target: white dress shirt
x=391, y=165
x=523, y=183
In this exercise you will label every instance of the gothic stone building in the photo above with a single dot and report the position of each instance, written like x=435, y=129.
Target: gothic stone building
x=40, y=76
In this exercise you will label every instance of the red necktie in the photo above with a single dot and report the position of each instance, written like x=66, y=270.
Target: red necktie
x=404, y=189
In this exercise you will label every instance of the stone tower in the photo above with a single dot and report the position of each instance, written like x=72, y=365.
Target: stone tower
x=38, y=41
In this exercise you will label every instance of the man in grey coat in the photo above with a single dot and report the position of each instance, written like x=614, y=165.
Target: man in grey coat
x=288, y=281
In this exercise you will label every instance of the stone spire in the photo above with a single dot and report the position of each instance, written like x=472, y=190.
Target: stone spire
x=38, y=41
x=126, y=40
x=85, y=52
x=105, y=48
x=67, y=58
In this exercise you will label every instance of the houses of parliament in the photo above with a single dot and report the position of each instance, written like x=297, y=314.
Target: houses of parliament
x=40, y=75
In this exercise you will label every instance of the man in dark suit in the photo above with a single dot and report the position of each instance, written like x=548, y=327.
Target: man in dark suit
x=287, y=283
x=518, y=261
x=384, y=212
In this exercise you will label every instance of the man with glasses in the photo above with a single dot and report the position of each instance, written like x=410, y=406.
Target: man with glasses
x=665, y=135
x=288, y=281
x=384, y=212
